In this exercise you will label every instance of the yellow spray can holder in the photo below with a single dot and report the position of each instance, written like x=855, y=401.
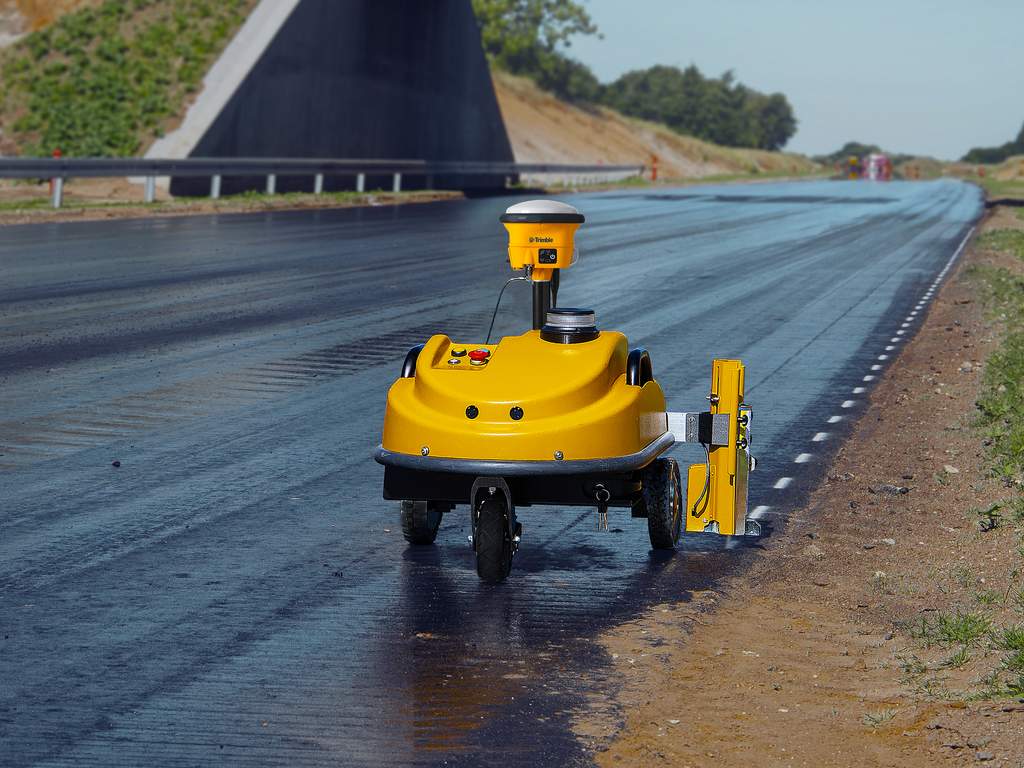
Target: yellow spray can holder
x=717, y=491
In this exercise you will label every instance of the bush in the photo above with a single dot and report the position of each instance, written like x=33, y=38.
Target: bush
x=996, y=154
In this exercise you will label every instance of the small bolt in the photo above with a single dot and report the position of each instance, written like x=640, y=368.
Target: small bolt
x=424, y=451
x=472, y=411
x=516, y=413
x=559, y=455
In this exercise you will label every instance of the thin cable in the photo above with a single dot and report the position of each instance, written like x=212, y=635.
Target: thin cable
x=498, y=304
x=707, y=480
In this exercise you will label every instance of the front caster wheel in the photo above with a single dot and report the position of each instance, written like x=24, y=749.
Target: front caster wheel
x=420, y=521
x=491, y=540
x=663, y=499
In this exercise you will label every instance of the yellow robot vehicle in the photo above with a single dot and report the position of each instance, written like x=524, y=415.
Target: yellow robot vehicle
x=565, y=414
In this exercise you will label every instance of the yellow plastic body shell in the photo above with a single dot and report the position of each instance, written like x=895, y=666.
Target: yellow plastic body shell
x=527, y=241
x=726, y=500
x=574, y=399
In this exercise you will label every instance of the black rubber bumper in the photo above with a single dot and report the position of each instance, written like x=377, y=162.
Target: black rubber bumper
x=488, y=467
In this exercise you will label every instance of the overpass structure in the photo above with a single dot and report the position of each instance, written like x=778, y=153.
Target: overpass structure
x=359, y=79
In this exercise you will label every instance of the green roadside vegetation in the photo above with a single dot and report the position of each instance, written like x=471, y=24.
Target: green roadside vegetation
x=36, y=208
x=1002, y=188
x=987, y=630
x=1002, y=402
x=105, y=80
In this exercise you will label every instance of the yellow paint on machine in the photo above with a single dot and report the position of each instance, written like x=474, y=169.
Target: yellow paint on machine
x=526, y=241
x=725, y=502
x=574, y=400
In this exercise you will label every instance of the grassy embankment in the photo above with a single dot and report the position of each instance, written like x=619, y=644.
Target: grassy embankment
x=991, y=628
x=105, y=81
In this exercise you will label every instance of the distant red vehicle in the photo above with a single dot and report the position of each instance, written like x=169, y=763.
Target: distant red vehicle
x=878, y=167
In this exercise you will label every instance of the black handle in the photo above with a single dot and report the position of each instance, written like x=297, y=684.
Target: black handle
x=638, y=368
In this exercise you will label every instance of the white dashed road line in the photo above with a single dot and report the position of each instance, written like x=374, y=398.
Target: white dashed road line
x=819, y=437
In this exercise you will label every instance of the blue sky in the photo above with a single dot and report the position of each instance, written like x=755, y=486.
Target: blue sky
x=929, y=76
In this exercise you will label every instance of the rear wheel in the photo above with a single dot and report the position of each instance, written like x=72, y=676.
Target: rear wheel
x=420, y=521
x=491, y=539
x=662, y=494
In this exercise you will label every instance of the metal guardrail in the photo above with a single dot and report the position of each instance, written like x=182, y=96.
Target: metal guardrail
x=215, y=168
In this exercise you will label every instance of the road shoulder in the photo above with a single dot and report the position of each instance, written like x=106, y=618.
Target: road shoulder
x=870, y=631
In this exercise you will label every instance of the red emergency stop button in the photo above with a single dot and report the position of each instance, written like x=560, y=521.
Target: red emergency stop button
x=479, y=355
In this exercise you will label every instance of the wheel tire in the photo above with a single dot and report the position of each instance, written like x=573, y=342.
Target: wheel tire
x=663, y=498
x=493, y=547
x=420, y=521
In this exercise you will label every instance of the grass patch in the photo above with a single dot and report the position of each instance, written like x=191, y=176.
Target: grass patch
x=953, y=629
x=245, y=202
x=1012, y=639
x=989, y=518
x=964, y=576
x=961, y=628
x=30, y=204
x=1001, y=404
x=103, y=81
x=960, y=657
x=999, y=188
x=1009, y=240
x=989, y=597
x=875, y=719
x=1016, y=508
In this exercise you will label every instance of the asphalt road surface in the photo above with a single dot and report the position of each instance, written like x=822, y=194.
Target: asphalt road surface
x=237, y=591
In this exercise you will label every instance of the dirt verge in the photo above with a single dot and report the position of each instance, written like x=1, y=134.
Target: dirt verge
x=869, y=631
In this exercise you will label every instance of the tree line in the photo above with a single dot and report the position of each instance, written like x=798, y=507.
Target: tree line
x=527, y=37
x=997, y=154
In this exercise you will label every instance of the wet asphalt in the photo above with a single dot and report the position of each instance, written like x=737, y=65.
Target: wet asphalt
x=237, y=592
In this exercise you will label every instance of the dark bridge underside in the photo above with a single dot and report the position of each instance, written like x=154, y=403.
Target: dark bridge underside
x=364, y=79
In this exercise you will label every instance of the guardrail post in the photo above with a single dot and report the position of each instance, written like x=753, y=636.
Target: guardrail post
x=57, y=199
x=396, y=186
x=150, y=189
x=215, y=186
x=271, y=183
x=360, y=182
x=318, y=184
